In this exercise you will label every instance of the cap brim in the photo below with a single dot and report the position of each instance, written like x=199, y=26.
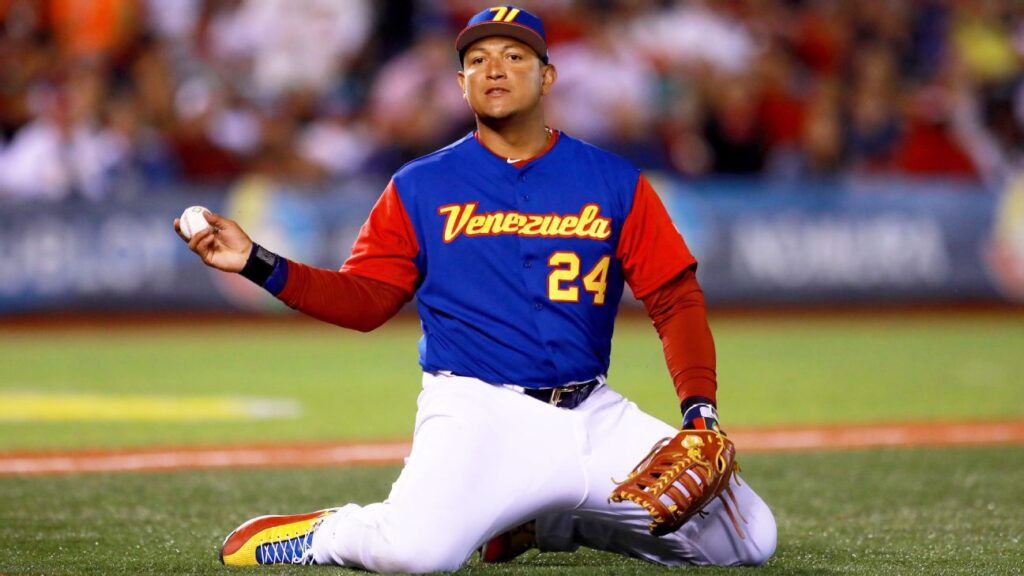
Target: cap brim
x=524, y=34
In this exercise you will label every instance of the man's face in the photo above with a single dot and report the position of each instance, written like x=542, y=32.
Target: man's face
x=502, y=77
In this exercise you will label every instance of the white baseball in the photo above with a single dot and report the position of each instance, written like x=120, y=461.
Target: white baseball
x=192, y=220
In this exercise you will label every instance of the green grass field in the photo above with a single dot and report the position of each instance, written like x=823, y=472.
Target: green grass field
x=937, y=511
x=349, y=385
x=948, y=511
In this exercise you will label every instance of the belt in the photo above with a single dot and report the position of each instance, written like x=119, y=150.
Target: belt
x=567, y=397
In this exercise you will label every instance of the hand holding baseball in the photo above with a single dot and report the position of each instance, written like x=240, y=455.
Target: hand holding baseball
x=223, y=245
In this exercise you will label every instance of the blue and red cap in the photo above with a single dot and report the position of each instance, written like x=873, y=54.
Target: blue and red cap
x=505, y=21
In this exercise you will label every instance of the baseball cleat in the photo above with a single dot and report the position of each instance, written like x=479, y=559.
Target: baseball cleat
x=508, y=545
x=273, y=540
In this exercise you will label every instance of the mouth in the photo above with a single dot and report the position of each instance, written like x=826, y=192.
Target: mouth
x=496, y=91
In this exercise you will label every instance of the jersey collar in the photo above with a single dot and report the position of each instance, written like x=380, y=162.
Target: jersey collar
x=525, y=161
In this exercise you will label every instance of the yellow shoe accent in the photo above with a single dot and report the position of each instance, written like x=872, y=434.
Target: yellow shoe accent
x=273, y=540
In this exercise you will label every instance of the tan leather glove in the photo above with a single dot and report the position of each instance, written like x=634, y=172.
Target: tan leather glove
x=679, y=477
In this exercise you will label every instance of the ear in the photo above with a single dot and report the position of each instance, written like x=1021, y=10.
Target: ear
x=462, y=83
x=548, y=76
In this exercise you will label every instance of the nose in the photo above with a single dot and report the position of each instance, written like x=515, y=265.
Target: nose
x=495, y=69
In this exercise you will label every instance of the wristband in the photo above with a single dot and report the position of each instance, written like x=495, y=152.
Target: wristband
x=266, y=269
x=700, y=416
x=690, y=401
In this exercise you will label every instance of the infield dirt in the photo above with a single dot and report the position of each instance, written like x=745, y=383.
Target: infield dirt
x=323, y=454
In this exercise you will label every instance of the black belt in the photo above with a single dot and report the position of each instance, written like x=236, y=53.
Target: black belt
x=567, y=397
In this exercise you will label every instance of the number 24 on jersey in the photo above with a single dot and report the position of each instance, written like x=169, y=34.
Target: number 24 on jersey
x=562, y=285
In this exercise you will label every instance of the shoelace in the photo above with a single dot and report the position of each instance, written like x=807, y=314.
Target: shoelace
x=295, y=550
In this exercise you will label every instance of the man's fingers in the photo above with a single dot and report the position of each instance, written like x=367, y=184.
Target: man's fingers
x=193, y=243
x=213, y=219
x=177, y=228
x=204, y=247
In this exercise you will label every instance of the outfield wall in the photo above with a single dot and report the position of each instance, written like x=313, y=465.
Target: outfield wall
x=760, y=244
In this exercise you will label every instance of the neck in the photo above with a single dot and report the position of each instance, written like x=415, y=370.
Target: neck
x=513, y=139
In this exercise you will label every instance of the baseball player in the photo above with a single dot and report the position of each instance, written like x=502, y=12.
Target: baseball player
x=517, y=241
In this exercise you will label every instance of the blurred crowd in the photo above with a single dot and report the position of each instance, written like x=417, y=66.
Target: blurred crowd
x=119, y=97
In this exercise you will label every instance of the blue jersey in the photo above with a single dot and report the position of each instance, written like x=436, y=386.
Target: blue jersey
x=519, y=268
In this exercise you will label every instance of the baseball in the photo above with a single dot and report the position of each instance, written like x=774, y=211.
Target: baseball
x=192, y=220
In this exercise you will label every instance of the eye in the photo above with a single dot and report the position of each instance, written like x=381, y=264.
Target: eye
x=476, y=60
x=515, y=57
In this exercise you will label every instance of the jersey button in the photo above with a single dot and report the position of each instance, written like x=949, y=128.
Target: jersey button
x=526, y=197
x=527, y=263
x=538, y=306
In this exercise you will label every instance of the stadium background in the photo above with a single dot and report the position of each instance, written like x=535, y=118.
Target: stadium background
x=810, y=151
x=848, y=173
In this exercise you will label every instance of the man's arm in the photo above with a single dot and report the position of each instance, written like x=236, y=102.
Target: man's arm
x=342, y=298
x=662, y=273
x=679, y=315
x=371, y=287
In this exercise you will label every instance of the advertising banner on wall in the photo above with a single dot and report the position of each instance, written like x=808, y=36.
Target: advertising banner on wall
x=887, y=242
x=757, y=244
x=124, y=255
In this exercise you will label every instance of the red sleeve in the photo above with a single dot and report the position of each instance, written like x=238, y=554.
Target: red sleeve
x=377, y=279
x=386, y=245
x=678, y=312
x=651, y=250
x=342, y=298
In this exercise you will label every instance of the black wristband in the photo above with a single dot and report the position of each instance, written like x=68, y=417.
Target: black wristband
x=693, y=400
x=260, y=264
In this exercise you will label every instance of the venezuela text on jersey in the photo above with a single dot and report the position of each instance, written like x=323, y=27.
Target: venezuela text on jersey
x=463, y=219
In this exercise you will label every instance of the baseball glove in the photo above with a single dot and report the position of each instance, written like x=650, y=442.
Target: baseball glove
x=679, y=477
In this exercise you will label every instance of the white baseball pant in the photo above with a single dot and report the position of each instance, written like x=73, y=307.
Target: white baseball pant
x=487, y=458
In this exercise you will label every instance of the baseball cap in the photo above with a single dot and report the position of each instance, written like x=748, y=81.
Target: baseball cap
x=505, y=21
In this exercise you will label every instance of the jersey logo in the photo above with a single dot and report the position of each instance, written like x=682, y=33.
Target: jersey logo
x=462, y=219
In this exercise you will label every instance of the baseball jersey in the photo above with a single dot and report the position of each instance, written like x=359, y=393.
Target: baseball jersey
x=518, y=268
